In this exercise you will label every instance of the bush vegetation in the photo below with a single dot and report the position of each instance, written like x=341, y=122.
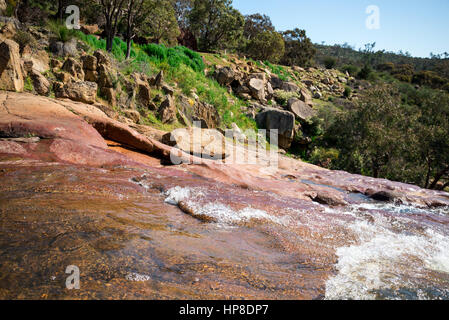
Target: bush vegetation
x=395, y=132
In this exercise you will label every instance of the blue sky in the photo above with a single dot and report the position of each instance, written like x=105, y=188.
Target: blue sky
x=419, y=27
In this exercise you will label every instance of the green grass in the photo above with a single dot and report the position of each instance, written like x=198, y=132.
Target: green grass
x=28, y=85
x=181, y=66
x=280, y=71
x=60, y=31
x=209, y=91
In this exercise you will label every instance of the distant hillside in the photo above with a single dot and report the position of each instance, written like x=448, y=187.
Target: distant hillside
x=347, y=55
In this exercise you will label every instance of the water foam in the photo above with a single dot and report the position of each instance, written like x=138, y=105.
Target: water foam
x=385, y=258
x=137, y=277
x=177, y=194
x=220, y=212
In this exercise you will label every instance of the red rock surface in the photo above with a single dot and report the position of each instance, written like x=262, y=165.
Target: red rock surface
x=139, y=229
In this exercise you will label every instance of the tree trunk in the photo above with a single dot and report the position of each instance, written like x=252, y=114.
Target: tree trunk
x=109, y=41
x=438, y=177
x=60, y=13
x=429, y=169
x=128, y=47
x=16, y=10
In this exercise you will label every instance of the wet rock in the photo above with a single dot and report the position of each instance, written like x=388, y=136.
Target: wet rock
x=197, y=215
x=31, y=115
x=329, y=198
x=384, y=195
x=11, y=69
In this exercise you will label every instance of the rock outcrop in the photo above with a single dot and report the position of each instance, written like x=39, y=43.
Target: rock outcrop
x=300, y=109
x=63, y=49
x=195, y=111
x=143, y=91
x=39, y=59
x=167, y=110
x=3, y=7
x=281, y=120
x=257, y=89
x=77, y=91
x=203, y=143
x=41, y=85
x=225, y=76
x=90, y=29
x=11, y=68
x=74, y=68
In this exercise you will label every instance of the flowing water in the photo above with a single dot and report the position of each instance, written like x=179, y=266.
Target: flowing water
x=165, y=233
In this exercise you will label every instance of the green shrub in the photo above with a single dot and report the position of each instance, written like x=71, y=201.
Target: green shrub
x=174, y=56
x=279, y=71
x=446, y=87
x=429, y=78
x=182, y=66
x=365, y=73
x=387, y=66
x=330, y=62
x=324, y=157
x=92, y=41
x=282, y=96
x=347, y=92
x=28, y=85
x=351, y=69
x=60, y=31
x=25, y=38
x=312, y=127
x=10, y=7
x=403, y=72
x=267, y=45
